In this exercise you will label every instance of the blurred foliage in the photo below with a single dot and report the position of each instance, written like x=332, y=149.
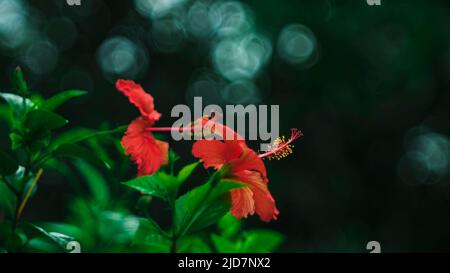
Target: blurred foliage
x=99, y=217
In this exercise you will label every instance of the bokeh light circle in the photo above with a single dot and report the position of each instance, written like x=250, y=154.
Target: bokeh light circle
x=297, y=45
x=207, y=85
x=231, y=18
x=119, y=56
x=201, y=21
x=240, y=92
x=41, y=57
x=426, y=159
x=156, y=8
x=241, y=57
x=14, y=23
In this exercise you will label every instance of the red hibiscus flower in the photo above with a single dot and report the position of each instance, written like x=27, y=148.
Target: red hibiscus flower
x=246, y=167
x=147, y=152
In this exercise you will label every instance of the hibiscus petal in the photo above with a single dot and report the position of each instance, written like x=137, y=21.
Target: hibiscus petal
x=263, y=200
x=215, y=153
x=139, y=98
x=146, y=151
x=246, y=167
x=264, y=204
x=250, y=161
x=242, y=203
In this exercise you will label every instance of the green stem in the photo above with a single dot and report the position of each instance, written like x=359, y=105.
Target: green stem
x=101, y=133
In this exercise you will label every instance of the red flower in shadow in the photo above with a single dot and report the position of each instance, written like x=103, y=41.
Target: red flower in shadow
x=246, y=167
x=146, y=151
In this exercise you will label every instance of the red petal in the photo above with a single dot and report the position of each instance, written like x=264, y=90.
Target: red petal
x=138, y=97
x=214, y=153
x=147, y=152
x=250, y=161
x=242, y=203
x=263, y=200
x=264, y=204
x=247, y=167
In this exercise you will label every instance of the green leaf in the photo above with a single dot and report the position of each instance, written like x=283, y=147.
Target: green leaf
x=95, y=181
x=116, y=227
x=143, y=204
x=224, y=245
x=7, y=201
x=34, y=141
x=101, y=150
x=184, y=174
x=172, y=157
x=19, y=82
x=64, y=228
x=160, y=184
x=69, y=137
x=60, y=98
x=61, y=240
x=261, y=241
x=28, y=185
x=193, y=244
x=82, y=134
x=8, y=165
x=17, y=140
x=41, y=120
x=203, y=206
x=152, y=236
x=78, y=151
x=6, y=115
x=17, y=103
x=211, y=213
x=15, y=240
x=42, y=245
x=229, y=226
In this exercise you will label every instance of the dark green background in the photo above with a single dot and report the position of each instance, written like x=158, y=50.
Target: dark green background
x=381, y=71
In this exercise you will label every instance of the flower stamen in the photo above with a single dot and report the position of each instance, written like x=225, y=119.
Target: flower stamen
x=281, y=148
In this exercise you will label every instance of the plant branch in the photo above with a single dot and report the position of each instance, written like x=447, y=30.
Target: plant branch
x=28, y=194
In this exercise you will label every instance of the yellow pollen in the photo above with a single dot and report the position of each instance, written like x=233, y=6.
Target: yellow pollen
x=280, y=148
